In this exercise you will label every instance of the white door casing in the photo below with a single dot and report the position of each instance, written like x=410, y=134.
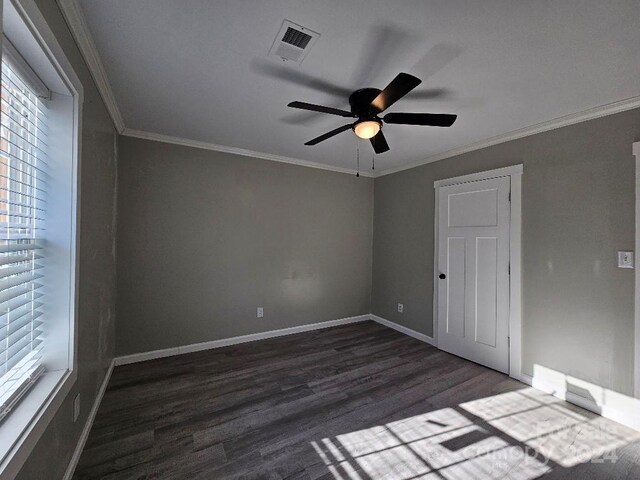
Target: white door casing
x=473, y=257
x=636, y=362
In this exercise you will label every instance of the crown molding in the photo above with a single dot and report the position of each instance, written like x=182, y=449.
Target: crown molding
x=158, y=137
x=80, y=31
x=590, y=114
x=78, y=26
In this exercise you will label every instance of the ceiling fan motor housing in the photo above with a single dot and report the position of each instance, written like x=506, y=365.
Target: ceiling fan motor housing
x=360, y=102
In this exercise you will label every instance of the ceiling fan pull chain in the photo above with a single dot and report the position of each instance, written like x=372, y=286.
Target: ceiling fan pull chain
x=373, y=162
x=358, y=158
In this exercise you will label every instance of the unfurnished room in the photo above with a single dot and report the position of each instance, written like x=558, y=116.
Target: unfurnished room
x=319, y=240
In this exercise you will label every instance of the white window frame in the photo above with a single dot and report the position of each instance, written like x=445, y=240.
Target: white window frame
x=29, y=419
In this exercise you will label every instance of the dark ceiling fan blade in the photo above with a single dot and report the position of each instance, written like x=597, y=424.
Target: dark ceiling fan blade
x=320, y=108
x=330, y=134
x=429, y=94
x=295, y=77
x=383, y=43
x=437, y=58
x=398, y=88
x=428, y=119
x=379, y=143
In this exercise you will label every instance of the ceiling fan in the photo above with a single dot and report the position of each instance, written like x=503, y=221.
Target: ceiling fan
x=368, y=103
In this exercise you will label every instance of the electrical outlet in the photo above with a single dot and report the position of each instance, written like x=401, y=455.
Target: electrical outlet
x=400, y=307
x=260, y=312
x=76, y=407
x=625, y=259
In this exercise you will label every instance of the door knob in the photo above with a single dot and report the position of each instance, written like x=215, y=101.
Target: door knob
x=442, y=276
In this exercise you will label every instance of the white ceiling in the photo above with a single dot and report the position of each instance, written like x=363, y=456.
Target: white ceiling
x=198, y=69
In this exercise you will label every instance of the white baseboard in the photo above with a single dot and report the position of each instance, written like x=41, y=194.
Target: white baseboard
x=629, y=415
x=225, y=342
x=626, y=412
x=620, y=408
x=68, y=474
x=402, y=329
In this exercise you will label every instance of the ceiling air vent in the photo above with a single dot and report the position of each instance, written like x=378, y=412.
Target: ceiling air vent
x=293, y=42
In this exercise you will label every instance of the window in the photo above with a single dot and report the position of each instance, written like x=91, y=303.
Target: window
x=40, y=131
x=23, y=188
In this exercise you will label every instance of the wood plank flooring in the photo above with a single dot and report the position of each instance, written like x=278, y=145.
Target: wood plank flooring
x=359, y=401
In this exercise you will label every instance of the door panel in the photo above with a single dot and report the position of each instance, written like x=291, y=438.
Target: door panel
x=486, y=311
x=473, y=209
x=456, y=260
x=473, y=299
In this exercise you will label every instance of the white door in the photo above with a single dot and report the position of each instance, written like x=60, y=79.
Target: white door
x=473, y=271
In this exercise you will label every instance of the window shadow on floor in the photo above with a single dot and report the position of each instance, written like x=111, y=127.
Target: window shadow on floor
x=522, y=434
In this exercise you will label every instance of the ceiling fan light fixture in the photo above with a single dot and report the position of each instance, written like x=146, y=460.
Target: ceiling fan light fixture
x=367, y=129
x=367, y=103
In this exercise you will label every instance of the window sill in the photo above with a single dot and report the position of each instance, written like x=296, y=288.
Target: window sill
x=23, y=427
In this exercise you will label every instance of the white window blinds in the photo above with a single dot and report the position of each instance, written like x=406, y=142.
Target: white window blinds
x=23, y=187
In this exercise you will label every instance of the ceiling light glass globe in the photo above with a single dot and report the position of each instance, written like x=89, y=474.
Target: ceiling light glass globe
x=367, y=129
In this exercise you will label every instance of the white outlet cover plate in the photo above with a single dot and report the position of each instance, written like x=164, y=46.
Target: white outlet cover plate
x=625, y=259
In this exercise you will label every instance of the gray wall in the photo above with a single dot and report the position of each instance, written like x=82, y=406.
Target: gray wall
x=206, y=237
x=578, y=210
x=97, y=267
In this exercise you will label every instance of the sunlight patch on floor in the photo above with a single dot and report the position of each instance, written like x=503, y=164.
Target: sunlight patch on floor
x=563, y=433
x=519, y=435
x=581, y=443
x=536, y=422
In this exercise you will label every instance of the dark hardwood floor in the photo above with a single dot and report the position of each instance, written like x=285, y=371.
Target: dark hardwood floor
x=359, y=401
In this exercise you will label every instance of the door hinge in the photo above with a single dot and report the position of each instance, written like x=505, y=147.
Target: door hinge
x=509, y=268
x=509, y=196
x=509, y=341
